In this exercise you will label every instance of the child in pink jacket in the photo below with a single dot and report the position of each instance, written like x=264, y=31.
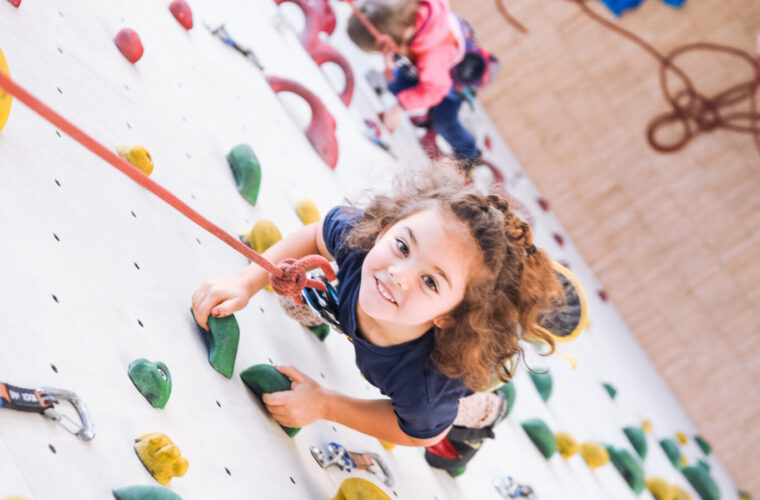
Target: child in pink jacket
x=430, y=35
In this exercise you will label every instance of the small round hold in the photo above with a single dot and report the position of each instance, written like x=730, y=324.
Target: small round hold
x=129, y=44
x=137, y=156
x=182, y=13
x=307, y=211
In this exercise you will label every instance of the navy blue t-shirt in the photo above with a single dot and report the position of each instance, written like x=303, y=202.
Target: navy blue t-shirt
x=424, y=399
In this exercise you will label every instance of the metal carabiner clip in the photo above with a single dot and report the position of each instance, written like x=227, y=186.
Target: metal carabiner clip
x=84, y=430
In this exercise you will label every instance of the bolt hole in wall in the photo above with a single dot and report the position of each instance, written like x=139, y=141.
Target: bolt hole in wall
x=56, y=237
x=292, y=480
x=55, y=298
x=58, y=134
x=60, y=50
x=137, y=266
x=227, y=471
x=218, y=404
x=198, y=240
x=140, y=323
x=57, y=182
x=133, y=214
x=59, y=90
x=55, y=368
x=52, y=448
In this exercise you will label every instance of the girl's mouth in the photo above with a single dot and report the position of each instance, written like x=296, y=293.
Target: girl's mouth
x=384, y=292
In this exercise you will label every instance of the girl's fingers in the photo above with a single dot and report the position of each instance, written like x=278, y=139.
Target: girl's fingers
x=292, y=372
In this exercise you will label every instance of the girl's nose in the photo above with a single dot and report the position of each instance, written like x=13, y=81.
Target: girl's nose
x=399, y=276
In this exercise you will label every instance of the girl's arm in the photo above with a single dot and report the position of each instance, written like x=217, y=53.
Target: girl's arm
x=308, y=402
x=222, y=297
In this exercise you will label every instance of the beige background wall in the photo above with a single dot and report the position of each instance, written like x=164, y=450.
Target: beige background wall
x=675, y=239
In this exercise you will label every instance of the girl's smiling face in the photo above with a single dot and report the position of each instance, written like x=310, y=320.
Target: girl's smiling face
x=418, y=270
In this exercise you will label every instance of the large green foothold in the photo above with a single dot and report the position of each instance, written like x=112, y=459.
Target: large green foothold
x=639, y=442
x=628, y=467
x=222, y=339
x=266, y=379
x=508, y=390
x=702, y=482
x=673, y=452
x=145, y=493
x=543, y=383
x=458, y=471
x=703, y=444
x=610, y=390
x=246, y=170
x=541, y=435
x=320, y=331
x=153, y=380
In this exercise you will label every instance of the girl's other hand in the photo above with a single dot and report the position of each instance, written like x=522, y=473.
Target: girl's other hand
x=392, y=117
x=302, y=405
x=220, y=298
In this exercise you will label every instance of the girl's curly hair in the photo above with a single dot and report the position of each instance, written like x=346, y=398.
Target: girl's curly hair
x=515, y=284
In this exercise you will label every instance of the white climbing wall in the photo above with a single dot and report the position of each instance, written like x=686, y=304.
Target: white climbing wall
x=96, y=272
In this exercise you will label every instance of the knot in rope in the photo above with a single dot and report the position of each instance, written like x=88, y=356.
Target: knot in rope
x=293, y=279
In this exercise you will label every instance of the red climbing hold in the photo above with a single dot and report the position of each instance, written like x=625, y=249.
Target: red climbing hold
x=321, y=129
x=487, y=143
x=182, y=13
x=327, y=17
x=129, y=44
x=312, y=24
x=559, y=239
x=322, y=53
x=15, y=3
x=543, y=204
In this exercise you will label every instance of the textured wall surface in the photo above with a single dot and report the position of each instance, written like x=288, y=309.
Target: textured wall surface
x=675, y=239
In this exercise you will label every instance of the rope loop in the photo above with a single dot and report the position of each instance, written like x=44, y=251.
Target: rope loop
x=293, y=277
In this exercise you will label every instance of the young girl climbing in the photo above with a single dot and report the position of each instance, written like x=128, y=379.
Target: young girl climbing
x=437, y=283
x=433, y=38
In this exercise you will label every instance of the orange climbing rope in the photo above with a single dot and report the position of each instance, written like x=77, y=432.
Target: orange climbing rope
x=384, y=43
x=288, y=277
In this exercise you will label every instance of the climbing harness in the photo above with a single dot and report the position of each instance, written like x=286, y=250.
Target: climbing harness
x=43, y=401
x=287, y=277
x=335, y=454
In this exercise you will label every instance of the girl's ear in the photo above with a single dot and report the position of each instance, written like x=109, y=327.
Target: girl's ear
x=443, y=321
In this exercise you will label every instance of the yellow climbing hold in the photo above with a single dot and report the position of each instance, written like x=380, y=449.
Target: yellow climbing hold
x=646, y=425
x=263, y=235
x=13, y=498
x=684, y=462
x=161, y=457
x=594, y=454
x=566, y=445
x=388, y=446
x=356, y=488
x=307, y=211
x=680, y=494
x=660, y=489
x=5, y=99
x=137, y=156
x=682, y=437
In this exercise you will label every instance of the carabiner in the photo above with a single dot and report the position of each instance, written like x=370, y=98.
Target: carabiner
x=85, y=430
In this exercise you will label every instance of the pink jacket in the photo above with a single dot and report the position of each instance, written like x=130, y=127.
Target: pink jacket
x=436, y=47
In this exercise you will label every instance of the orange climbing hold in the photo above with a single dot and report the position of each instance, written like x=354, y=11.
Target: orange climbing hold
x=15, y=3
x=129, y=44
x=182, y=13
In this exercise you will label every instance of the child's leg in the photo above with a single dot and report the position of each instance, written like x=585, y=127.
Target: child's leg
x=401, y=81
x=446, y=123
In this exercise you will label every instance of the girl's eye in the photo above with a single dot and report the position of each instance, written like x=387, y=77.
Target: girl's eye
x=430, y=282
x=402, y=247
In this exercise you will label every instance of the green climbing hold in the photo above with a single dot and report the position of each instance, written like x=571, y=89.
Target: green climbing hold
x=320, y=331
x=704, y=465
x=145, y=493
x=628, y=467
x=266, y=379
x=639, y=442
x=541, y=435
x=671, y=449
x=246, y=170
x=508, y=390
x=458, y=471
x=703, y=444
x=543, y=383
x=222, y=341
x=153, y=380
x=702, y=482
x=610, y=390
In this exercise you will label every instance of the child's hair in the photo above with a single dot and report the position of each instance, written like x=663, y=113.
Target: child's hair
x=502, y=301
x=391, y=17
